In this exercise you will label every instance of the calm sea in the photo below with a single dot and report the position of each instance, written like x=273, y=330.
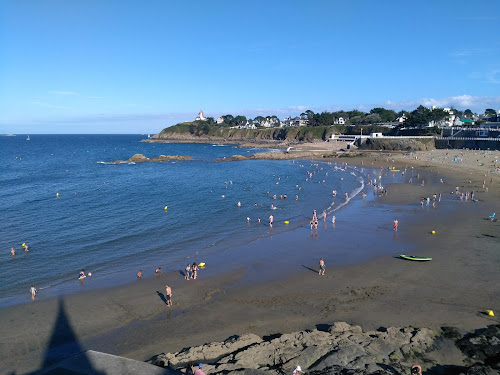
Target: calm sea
x=111, y=218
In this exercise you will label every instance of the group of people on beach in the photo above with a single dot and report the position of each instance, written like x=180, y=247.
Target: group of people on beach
x=191, y=271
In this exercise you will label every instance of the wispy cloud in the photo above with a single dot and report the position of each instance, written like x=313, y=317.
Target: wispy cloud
x=478, y=18
x=491, y=75
x=49, y=105
x=472, y=52
x=65, y=93
x=475, y=103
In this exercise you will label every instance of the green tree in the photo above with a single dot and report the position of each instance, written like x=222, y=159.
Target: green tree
x=259, y=120
x=457, y=112
x=372, y=118
x=275, y=120
x=419, y=118
x=438, y=114
x=490, y=112
x=468, y=113
x=240, y=120
x=386, y=115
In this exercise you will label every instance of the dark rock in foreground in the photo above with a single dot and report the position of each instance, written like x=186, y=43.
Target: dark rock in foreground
x=344, y=349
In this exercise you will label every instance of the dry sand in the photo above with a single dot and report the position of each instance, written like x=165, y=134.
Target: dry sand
x=266, y=297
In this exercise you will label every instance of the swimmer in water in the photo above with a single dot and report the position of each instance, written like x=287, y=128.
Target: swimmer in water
x=13, y=252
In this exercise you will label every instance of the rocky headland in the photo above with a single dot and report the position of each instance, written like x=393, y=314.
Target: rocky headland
x=346, y=349
x=140, y=158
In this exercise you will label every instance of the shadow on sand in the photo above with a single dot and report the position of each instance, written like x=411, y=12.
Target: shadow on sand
x=62, y=344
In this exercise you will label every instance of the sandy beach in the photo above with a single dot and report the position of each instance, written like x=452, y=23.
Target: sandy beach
x=279, y=289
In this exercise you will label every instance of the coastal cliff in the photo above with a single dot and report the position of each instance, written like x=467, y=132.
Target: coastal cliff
x=191, y=132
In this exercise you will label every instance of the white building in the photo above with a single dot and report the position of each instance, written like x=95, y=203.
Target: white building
x=220, y=120
x=287, y=121
x=297, y=121
x=339, y=121
x=402, y=118
x=201, y=116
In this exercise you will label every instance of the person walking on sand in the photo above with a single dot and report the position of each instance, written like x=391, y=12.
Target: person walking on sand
x=395, y=225
x=168, y=292
x=33, y=292
x=188, y=272
x=194, y=270
x=322, y=267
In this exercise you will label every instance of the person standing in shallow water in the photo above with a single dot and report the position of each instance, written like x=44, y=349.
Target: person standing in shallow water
x=322, y=267
x=33, y=292
x=168, y=292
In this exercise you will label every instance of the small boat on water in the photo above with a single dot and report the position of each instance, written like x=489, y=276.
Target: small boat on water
x=28, y=138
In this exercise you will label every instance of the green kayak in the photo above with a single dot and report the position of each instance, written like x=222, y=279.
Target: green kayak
x=413, y=257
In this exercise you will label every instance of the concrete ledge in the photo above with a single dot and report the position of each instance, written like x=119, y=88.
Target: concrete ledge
x=96, y=363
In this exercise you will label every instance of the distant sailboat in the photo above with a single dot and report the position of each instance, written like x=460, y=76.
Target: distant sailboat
x=28, y=138
x=149, y=135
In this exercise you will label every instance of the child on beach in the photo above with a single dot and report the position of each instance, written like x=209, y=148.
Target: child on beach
x=33, y=292
x=395, y=225
x=168, y=292
x=139, y=274
x=322, y=267
x=188, y=272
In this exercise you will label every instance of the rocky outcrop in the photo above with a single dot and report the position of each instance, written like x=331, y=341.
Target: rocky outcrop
x=193, y=132
x=140, y=158
x=280, y=155
x=482, y=349
x=385, y=351
x=345, y=349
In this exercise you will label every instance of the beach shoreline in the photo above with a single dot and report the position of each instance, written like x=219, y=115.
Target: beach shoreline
x=461, y=281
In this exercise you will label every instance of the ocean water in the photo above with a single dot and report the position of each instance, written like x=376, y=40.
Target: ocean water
x=110, y=219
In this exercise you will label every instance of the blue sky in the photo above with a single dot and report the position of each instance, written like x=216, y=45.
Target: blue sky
x=103, y=66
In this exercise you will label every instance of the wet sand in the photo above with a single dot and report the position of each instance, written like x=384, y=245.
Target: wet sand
x=273, y=286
